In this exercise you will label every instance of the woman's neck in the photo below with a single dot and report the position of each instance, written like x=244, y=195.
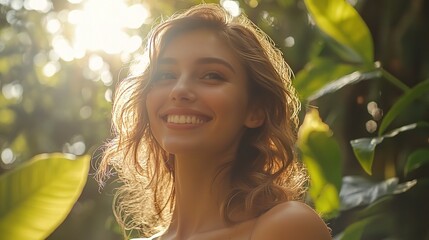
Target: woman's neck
x=200, y=189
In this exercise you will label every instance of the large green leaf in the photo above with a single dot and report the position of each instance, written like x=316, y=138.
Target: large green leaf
x=37, y=196
x=402, y=103
x=343, y=81
x=393, y=212
x=359, y=191
x=321, y=155
x=364, y=148
x=317, y=73
x=342, y=23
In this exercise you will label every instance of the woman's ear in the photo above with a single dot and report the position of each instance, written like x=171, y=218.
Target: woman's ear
x=255, y=117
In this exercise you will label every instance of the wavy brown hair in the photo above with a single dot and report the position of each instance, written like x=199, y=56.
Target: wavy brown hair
x=265, y=172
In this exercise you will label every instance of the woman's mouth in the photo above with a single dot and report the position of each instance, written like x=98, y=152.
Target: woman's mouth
x=185, y=119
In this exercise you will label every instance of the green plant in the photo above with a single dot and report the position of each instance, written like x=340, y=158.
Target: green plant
x=38, y=195
x=401, y=202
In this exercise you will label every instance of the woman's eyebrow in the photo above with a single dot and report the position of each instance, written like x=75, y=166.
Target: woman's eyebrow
x=209, y=60
x=205, y=60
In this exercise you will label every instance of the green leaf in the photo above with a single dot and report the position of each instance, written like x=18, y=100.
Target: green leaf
x=343, y=81
x=364, y=148
x=395, y=212
x=38, y=195
x=317, y=73
x=342, y=23
x=321, y=155
x=359, y=191
x=416, y=159
x=402, y=103
x=355, y=230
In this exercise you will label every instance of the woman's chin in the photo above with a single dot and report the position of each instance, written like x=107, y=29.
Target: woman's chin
x=182, y=147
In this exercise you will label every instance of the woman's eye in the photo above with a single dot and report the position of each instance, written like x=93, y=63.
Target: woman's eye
x=165, y=76
x=213, y=76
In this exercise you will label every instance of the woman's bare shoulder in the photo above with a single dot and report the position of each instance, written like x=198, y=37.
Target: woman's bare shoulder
x=291, y=220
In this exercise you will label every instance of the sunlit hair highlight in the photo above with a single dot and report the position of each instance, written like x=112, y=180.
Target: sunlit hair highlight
x=266, y=171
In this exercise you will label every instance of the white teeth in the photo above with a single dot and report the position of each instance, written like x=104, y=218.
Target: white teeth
x=184, y=119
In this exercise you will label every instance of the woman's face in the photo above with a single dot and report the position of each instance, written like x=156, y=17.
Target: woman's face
x=199, y=102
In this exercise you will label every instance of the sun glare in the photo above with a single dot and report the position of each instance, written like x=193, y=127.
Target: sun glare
x=98, y=25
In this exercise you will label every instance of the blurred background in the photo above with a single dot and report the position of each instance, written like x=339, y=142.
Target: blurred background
x=60, y=61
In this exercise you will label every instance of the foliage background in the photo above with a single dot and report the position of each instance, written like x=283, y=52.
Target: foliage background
x=67, y=110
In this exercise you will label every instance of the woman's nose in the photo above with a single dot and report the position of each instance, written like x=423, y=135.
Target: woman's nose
x=183, y=90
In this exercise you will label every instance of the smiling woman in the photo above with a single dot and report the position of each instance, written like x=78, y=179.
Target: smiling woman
x=205, y=137
x=205, y=81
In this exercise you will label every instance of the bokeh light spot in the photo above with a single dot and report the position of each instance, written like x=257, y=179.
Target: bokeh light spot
x=7, y=156
x=233, y=7
x=85, y=112
x=76, y=146
x=253, y=3
x=53, y=25
x=62, y=48
x=51, y=68
x=16, y=4
x=136, y=15
x=371, y=106
x=12, y=90
x=38, y=5
x=289, y=41
x=108, y=94
x=95, y=63
x=106, y=78
x=371, y=126
x=374, y=110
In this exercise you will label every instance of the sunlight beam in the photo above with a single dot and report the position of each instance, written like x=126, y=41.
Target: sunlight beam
x=101, y=25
